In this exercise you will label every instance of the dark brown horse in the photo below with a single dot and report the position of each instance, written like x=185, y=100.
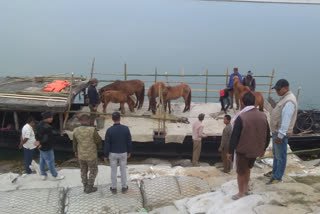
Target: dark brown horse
x=241, y=89
x=175, y=92
x=129, y=87
x=117, y=97
x=153, y=93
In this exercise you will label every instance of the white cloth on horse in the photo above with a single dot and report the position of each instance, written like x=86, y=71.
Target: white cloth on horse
x=247, y=108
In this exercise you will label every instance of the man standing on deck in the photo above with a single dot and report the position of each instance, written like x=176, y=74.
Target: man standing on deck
x=85, y=142
x=27, y=143
x=250, y=138
x=224, y=146
x=283, y=118
x=45, y=140
x=249, y=81
x=197, y=135
x=93, y=99
x=117, y=148
x=230, y=87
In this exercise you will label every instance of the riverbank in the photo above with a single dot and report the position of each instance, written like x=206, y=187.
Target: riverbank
x=298, y=193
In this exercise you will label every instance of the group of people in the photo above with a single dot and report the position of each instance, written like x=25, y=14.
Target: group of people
x=247, y=136
x=226, y=95
x=86, y=141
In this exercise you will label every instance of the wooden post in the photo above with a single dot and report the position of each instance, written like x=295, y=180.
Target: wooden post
x=155, y=75
x=206, y=98
x=3, y=119
x=160, y=109
x=298, y=93
x=227, y=75
x=61, y=122
x=16, y=120
x=125, y=71
x=70, y=102
x=92, y=67
x=271, y=80
x=182, y=79
x=167, y=78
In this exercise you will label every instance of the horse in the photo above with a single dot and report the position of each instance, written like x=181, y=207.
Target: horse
x=117, y=97
x=241, y=89
x=153, y=93
x=129, y=87
x=175, y=92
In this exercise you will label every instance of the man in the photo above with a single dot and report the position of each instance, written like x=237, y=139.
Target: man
x=249, y=81
x=250, y=138
x=85, y=142
x=27, y=142
x=93, y=99
x=197, y=135
x=283, y=118
x=117, y=147
x=224, y=100
x=224, y=146
x=230, y=87
x=45, y=140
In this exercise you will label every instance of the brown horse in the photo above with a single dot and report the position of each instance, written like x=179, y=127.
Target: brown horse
x=175, y=92
x=241, y=89
x=117, y=97
x=153, y=93
x=129, y=87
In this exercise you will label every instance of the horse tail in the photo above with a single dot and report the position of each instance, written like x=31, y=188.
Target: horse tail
x=261, y=103
x=141, y=98
x=189, y=100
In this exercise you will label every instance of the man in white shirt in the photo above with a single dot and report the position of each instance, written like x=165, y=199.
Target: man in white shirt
x=27, y=141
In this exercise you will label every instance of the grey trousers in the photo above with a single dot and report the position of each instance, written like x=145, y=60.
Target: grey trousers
x=120, y=158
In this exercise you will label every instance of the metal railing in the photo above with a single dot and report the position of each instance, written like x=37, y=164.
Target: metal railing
x=206, y=83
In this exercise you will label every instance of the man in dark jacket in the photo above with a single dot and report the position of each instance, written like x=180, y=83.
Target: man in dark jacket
x=250, y=138
x=249, y=81
x=93, y=99
x=117, y=147
x=45, y=140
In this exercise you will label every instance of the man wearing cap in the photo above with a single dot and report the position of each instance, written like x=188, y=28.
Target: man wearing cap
x=197, y=135
x=85, y=142
x=282, y=120
x=45, y=140
x=117, y=148
x=249, y=81
x=230, y=87
x=93, y=99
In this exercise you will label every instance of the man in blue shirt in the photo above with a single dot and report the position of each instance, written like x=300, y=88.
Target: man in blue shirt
x=282, y=121
x=93, y=99
x=117, y=147
x=230, y=87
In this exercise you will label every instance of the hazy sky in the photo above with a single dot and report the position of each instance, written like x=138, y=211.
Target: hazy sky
x=45, y=37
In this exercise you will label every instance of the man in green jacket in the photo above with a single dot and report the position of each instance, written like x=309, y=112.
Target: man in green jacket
x=85, y=142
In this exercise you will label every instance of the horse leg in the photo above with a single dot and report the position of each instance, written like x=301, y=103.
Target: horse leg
x=137, y=96
x=231, y=98
x=105, y=104
x=169, y=105
x=122, y=108
x=237, y=95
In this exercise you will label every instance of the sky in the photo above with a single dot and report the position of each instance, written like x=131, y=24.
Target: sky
x=40, y=37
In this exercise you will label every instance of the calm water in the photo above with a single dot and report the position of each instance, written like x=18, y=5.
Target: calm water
x=46, y=37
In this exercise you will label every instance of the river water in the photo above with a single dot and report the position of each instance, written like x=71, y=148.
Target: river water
x=47, y=37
